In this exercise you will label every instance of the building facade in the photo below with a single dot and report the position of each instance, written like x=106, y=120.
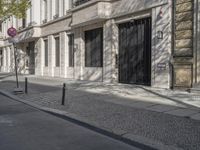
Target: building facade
x=148, y=42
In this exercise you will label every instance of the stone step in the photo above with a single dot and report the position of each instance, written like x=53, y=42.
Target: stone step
x=195, y=89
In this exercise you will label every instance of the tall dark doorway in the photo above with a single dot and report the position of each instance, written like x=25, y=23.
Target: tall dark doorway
x=31, y=57
x=135, y=52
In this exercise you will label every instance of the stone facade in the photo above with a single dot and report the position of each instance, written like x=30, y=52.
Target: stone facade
x=183, y=45
x=170, y=67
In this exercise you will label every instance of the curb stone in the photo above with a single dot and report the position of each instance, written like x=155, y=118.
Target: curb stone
x=123, y=136
x=149, y=142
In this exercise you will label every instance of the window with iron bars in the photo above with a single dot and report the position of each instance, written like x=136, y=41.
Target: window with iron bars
x=80, y=2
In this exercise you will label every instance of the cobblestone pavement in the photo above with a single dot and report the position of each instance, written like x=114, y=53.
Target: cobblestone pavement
x=121, y=108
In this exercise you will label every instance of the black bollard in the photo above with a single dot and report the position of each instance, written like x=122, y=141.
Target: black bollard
x=26, y=85
x=63, y=94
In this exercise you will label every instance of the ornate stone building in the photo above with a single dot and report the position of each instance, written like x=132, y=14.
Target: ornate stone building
x=186, y=64
x=148, y=42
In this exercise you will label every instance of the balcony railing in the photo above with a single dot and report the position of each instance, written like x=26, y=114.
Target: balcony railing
x=80, y=2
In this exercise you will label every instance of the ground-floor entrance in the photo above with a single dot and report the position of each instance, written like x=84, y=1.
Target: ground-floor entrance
x=30, y=61
x=135, y=52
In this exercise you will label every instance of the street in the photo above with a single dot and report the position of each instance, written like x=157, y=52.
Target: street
x=131, y=113
x=26, y=128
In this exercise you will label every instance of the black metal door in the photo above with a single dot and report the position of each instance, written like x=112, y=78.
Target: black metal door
x=135, y=52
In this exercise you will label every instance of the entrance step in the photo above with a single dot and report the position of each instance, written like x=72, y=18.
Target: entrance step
x=195, y=89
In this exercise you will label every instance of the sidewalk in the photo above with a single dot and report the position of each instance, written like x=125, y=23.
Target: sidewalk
x=137, y=113
x=116, y=93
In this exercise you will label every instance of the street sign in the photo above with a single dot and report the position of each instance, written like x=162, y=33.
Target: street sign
x=12, y=32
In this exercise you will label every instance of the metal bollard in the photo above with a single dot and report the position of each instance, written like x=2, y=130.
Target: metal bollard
x=63, y=94
x=26, y=85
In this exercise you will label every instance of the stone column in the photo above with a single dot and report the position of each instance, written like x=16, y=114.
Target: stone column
x=8, y=59
x=63, y=52
x=110, y=47
x=79, y=53
x=51, y=45
x=39, y=57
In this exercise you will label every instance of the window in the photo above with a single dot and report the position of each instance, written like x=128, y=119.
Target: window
x=57, y=48
x=94, y=48
x=46, y=53
x=80, y=2
x=71, y=50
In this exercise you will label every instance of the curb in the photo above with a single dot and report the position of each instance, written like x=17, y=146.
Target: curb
x=128, y=138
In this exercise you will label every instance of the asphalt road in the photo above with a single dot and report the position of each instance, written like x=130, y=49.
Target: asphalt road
x=26, y=128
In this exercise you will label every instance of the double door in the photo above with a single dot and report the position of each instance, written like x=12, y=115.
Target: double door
x=135, y=52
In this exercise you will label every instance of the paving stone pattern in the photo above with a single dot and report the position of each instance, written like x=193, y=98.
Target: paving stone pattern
x=100, y=104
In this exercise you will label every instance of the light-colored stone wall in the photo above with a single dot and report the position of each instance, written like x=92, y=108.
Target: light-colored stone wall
x=108, y=14
x=7, y=56
x=161, y=48
x=125, y=7
x=56, y=27
x=80, y=71
x=100, y=10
